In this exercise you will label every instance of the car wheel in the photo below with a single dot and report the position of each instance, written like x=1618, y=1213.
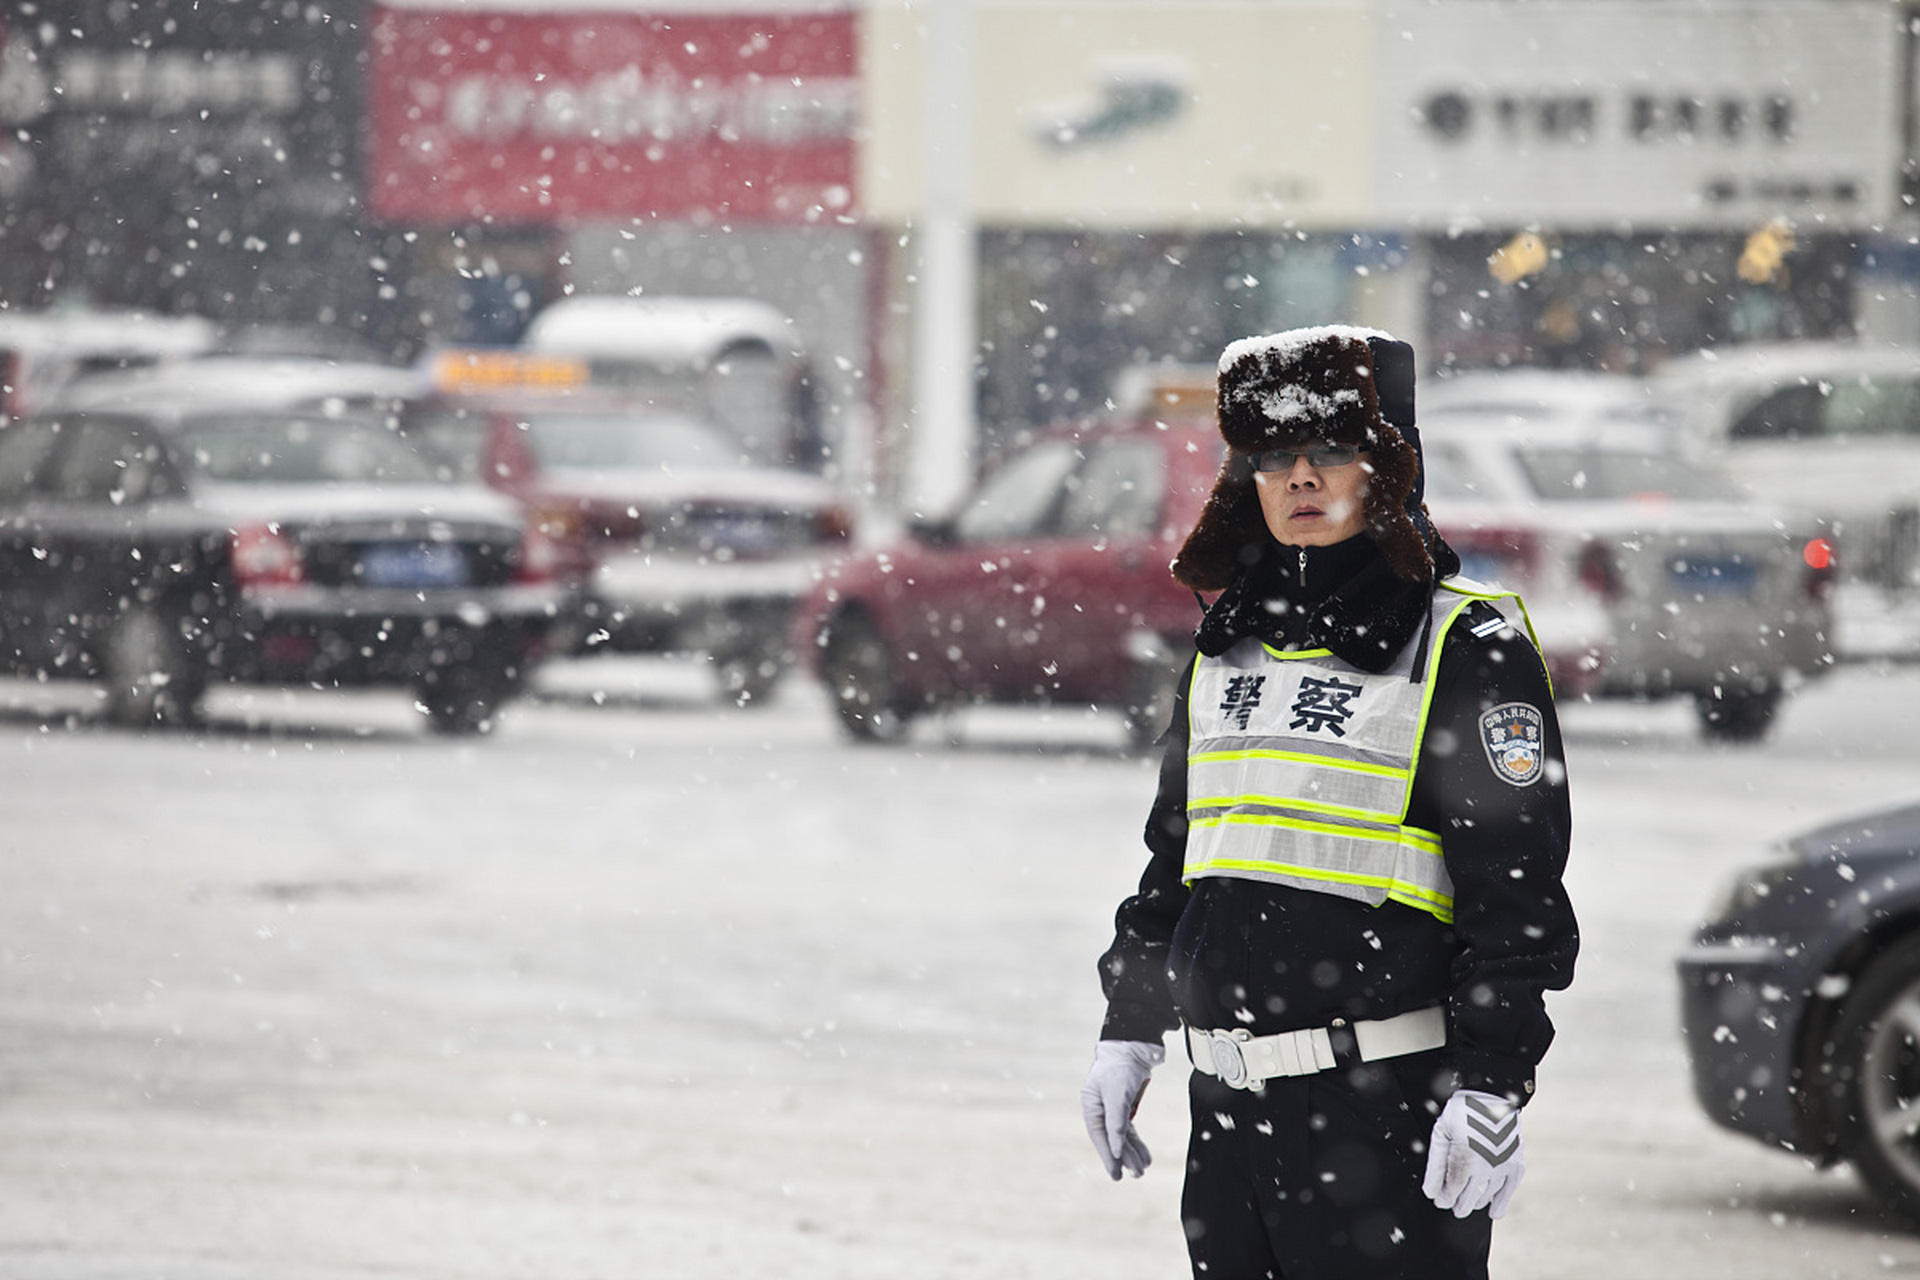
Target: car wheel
x=457, y=709
x=1150, y=704
x=748, y=678
x=465, y=697
x=1736, y=714
x=1877, y=1047
x=859, y=676
x=149, y=670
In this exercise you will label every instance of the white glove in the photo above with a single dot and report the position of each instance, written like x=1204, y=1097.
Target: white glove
x=1108, y=1099
x=1477, y=1157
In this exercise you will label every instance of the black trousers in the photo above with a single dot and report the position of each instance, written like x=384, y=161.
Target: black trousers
x=1318, y=1178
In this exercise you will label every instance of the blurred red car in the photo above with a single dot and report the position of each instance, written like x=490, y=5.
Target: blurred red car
x=1049, y=587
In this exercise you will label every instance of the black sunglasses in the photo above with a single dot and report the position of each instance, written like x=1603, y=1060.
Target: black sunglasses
x=1319, y=455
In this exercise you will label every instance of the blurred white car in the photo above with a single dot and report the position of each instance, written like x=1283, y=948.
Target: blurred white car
x=1830, y=426
x=209, y=382
x=1647, y=574
x=668, y=533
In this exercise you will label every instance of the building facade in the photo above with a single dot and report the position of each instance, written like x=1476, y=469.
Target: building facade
x=1571, y=182
x=1577, y=183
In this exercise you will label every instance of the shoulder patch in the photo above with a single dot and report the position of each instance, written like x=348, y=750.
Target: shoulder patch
x=1483, y=621
x=1491, y=627
x=1514, y=734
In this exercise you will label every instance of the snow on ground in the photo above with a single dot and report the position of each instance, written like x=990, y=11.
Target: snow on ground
x=654, y=988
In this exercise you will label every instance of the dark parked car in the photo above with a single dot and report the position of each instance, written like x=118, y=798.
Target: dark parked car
x=1801, y=1001
x=1050, y=586
x=157, y=552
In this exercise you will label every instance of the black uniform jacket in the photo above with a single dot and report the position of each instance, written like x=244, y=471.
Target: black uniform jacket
x=1244, y=953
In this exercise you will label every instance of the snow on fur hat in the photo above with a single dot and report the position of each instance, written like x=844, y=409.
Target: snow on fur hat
x=1334, y=383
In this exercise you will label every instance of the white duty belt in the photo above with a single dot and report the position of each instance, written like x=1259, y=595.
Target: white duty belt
x=1246, y=1061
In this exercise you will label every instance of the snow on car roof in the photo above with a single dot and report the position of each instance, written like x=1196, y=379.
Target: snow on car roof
x=1474, y=426
x=1553, y=402
x=1545, y=388
x=105, y=332
x=214, y=382
x=1778, y=362
x=665, y=331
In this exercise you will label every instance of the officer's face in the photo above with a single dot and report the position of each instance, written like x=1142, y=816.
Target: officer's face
x=1314, y=506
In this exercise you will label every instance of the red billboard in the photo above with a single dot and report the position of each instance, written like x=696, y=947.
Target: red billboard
x=551, y=116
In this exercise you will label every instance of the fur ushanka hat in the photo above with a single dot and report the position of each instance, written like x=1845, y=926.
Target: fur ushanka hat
x=1335, y=384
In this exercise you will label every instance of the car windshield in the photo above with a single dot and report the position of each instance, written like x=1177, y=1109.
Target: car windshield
x=650, y=442
x=1576, y=474
x=1016, y=499
x=1448, y=474
x=294, y=448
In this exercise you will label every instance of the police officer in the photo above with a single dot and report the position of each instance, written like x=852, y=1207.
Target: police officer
x=1353, y=905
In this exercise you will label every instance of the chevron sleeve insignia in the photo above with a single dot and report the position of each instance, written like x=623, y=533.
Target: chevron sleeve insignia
x=1492, y=1133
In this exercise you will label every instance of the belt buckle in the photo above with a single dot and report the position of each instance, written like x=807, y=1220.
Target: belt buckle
x=1229, y=1062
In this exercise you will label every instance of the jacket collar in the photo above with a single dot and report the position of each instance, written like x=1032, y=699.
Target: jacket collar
x=1343, y=598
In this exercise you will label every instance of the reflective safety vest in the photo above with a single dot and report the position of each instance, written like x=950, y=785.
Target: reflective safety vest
x=1300, y=766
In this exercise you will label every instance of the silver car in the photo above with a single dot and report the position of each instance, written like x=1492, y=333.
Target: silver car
x=1831, y=426
x=1647, y=574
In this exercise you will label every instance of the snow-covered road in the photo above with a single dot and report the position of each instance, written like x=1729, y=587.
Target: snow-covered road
x=649, y=989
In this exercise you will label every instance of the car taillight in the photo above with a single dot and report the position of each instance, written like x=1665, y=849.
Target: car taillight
x=264, y=556
x=585, y=521
x=509, y=462
x=833, y=524
x=563, y=544
x=614, y=521
x=539, y=560
x=555, y=521
x=1822, y=568
x=1598, y=571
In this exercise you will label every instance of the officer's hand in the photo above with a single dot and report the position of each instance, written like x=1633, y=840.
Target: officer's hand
x=1477, y=1157
x=1109, y=1097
